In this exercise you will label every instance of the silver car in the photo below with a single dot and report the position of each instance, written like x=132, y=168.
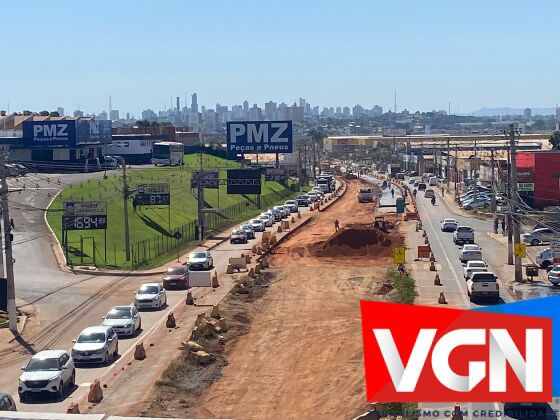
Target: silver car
x=257, y=225
x=554, y=275
x=200, y=260
x=267, y=219
x=125, y=320
x=150, y=295
x=96, y=345
x=47, y=371
x=538, y=236
x=293, y=205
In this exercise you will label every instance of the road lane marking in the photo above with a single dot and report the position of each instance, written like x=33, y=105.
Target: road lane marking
x=459, y=284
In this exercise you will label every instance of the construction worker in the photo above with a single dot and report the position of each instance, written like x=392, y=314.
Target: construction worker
x=336, y=225
x=392, y=193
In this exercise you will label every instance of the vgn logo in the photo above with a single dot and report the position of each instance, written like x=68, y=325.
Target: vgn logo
x=427, y=354
x=259, y=137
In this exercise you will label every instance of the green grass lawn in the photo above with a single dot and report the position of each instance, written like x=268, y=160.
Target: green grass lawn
x=151, y=226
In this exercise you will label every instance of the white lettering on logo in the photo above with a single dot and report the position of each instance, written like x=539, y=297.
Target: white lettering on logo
x=62, y=130
x=236, y=130
x=280, y=129
x=501, y=349
x=49, y=130
x=259, y=135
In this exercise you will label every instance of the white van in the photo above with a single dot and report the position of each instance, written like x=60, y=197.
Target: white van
x=433, y=181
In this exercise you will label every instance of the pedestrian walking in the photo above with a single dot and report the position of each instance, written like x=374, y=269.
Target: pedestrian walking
x=392, y=193
x=336, y=225
x=442, y=191
x=504, y=226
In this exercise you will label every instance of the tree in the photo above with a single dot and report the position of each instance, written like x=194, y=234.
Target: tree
x=44, y=113
x=555, y=140
x=54, y=114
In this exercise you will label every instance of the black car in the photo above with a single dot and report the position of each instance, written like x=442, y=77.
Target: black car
x=302, y=201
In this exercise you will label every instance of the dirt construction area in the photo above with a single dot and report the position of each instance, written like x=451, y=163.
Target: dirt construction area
x=299, y=354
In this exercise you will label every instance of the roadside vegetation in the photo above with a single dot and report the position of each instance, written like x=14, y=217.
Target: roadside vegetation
x=151, y=227
x=404, y=285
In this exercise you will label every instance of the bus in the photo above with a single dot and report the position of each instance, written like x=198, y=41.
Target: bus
x=167, y=153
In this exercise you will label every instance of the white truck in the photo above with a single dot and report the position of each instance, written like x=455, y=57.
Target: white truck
x=483, y=285
x=365, y=195
x=463, y=235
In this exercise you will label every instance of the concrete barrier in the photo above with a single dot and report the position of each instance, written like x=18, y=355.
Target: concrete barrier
x=200, y=279
x=139, y=351
x=238, y=263
x=95, y=392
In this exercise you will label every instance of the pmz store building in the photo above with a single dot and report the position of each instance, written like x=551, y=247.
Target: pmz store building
x=57, y=144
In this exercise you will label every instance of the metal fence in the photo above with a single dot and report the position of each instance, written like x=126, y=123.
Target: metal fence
x=144, y=252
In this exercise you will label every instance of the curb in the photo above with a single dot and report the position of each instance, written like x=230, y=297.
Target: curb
x=132, y=273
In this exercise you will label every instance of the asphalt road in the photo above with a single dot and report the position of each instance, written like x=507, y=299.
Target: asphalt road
x=85, y=300
x=447, y=254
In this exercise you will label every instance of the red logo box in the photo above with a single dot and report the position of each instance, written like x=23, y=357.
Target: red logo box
x=429, y=354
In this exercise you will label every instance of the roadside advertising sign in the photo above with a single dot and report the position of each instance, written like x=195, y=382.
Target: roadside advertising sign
x=259, y=137
x=153, y=195
x=525, y=186
x=520, y=250
x=85, y=215
x=399, y=255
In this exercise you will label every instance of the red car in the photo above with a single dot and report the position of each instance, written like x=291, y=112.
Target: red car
x=176, y=277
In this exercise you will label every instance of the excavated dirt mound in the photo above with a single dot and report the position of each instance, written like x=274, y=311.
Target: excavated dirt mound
x=358, y=240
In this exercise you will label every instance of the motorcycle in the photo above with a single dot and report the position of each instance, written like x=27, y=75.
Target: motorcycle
x=433, y=201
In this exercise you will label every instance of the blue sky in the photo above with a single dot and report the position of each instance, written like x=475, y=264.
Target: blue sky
x=473, y=53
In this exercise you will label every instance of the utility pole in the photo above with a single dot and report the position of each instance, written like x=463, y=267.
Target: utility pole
x=126, y=193
x=12, y=311
x=494, y=191
x=509, y=215
x=200, y=201
x=447, y=162
x=456, y=170
x=513, y=201
x=475, y=178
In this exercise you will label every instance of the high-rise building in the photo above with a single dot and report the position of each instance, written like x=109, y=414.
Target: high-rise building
x=338, y=111
x=316, y=110
x=376, y=110
x=357, y=111
x=114, y=115
x=245, y=106
x=293, y=113
x=178, y=105
x=302, y=103
x=194, y=103
x=128, y=116
x=527, y=113
x=210, y=121
x=307, y=110
x=60, y=111
x=255, y=113
x=346, y=111
x=270, y=111
x=102, y=115
x=148, y=114
x=194, y=121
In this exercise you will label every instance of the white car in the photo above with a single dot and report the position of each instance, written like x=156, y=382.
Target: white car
x=200, y=260
x=150, y=295
x=313, y=196
x=449, y=225
x=554, y=275
x=257, y=225
x=266, y=219
x=544, y=258
x=470, y=252
x=47, y=371
x=125, y=320
x=474, y=266
x=96, y=345
x=483, y=285
x=293, y=206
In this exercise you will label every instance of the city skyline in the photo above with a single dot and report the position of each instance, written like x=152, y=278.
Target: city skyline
x=429, y=53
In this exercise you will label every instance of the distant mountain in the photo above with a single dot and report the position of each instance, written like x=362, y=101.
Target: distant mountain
x=492, y=112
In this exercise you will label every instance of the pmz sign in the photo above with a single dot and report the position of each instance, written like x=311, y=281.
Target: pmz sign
x=259, y=137
x=49, y=133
